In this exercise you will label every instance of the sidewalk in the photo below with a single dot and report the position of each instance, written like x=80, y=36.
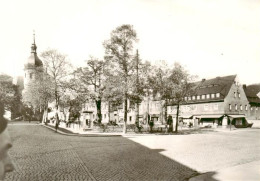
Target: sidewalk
x=249, y=171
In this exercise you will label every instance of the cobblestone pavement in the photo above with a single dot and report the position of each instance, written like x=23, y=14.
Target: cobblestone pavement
x=41, y=154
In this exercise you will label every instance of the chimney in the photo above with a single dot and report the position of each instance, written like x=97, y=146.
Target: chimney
x=244, y=86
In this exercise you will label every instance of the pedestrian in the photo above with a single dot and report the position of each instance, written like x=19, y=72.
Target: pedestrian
x=6, y=164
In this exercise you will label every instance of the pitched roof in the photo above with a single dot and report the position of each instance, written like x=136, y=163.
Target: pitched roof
x=220, y=85
x=251, y=92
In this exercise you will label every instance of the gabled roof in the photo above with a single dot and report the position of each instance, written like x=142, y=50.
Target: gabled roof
x=251, y=92
x=216, y=85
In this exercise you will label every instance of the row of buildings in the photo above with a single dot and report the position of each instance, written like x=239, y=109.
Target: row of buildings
x=213, y=101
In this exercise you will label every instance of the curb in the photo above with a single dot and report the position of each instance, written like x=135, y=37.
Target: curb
x=82, y=135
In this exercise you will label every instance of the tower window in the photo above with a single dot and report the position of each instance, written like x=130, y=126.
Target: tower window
x=31, y=75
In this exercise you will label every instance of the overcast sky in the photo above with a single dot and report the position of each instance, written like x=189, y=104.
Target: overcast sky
x=210, y=38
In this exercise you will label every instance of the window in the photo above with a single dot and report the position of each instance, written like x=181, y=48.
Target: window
x=218, y=95
x=203, y=97
x=239, y=95
x=193, y=97
x=212, y=96
x=246, y=107
x=25, y=75
x=256, y=108
x=251, y=108
x=31, y=75
x=130, y=118
x=235, y=94
x=235, y=107
x=241, y=107
x=230, y=107
x=208, y=96
x=198, y=97
x=185, y=98
x=189, y=98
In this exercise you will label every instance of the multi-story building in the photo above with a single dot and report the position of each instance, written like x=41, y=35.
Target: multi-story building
x=215, y=101
x=253, y=96
x=89, y=113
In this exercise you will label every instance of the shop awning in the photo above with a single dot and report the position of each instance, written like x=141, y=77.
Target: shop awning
x=237, y=116
x=186, y=116
x=210, y=116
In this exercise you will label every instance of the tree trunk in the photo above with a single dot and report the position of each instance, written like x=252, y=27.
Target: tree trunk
x=98, y=104
x=44, y=117
x=57, y=108
x=137, y=116
x=125, y=114
x=109, y=112
x=177, y=117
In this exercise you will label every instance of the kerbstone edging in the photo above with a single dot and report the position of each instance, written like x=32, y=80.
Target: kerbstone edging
x=82, y=135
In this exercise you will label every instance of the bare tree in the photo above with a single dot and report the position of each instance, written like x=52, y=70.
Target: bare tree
x=57, y=67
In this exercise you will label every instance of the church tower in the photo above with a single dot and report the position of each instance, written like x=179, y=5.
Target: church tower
x=33, y=67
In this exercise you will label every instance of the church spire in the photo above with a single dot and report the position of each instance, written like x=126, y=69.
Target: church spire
x=33, y=36
x=33, y=47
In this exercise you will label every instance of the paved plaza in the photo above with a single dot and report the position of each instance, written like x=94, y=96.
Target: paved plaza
x=41, y=154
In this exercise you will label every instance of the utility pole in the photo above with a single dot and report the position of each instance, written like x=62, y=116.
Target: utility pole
x=137, y=89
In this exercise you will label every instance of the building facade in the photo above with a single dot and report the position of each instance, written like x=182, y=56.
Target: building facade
x=253, y=96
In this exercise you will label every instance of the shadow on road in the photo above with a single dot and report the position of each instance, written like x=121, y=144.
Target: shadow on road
x=41, y=154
